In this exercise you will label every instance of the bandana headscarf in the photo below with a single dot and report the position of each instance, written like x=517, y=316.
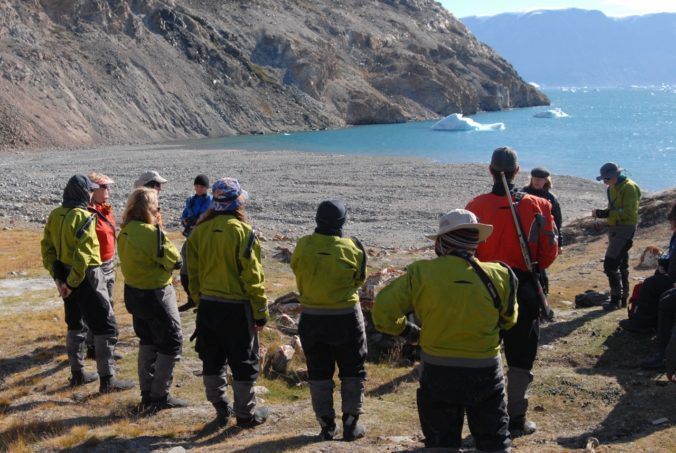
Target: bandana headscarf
x=228, y=195
x=466, y=239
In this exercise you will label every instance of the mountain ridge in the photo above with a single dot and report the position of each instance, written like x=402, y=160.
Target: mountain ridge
x=575, y=47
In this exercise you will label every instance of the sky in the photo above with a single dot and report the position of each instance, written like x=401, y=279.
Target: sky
x=615, y=8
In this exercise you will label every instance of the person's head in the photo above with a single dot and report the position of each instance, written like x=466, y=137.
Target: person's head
x=102, y=194
x=504, y=160
x=331, y=216
x=142, y=205
x=672, y=217
x=540, y=179
x=78, y=192
x=610, y=173
x=150, y=179
x=459, y=231
x=228, y=198
x=201, y=184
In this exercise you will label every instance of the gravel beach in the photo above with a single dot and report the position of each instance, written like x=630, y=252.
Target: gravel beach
x=392, y=201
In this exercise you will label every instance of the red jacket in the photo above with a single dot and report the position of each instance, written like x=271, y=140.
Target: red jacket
x=503, y=244
x=105, y=229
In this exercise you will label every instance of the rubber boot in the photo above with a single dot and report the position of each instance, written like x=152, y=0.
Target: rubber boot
x=105, y=345
x=352, y=429
x=329, y=428
x=518, y=381
x=223, y=413
x=76, y=356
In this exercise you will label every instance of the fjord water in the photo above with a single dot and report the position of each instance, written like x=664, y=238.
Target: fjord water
x=635, y=127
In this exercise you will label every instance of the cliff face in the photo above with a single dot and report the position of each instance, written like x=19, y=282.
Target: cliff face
x=86, y=72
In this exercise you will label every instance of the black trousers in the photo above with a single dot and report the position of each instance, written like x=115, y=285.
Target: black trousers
x=155, y=318
x=226, y=336
x=667, y=320
x=90, y=302
x=446, y=393
x=521, y=341
x=333, y=339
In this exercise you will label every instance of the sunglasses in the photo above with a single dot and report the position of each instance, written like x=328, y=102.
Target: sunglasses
x=607, y=179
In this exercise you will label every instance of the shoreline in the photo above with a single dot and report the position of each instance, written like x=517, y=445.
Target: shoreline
x=392, y=201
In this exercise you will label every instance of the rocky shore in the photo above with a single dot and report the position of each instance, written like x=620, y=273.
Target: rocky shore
x=392, y=201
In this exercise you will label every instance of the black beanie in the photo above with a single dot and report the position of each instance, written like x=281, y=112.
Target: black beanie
x=331, y=216
x=201, y=180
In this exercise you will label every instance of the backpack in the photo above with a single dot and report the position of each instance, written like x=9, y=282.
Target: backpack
x=633, y=300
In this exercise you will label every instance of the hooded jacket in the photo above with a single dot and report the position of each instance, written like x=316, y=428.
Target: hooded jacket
x=70, y=234
x=623, y=200
x=221, y=267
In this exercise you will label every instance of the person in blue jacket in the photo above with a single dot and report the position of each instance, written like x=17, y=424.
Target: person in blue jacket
x=195, y=206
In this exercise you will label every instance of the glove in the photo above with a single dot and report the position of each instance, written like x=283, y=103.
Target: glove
x=411, y=333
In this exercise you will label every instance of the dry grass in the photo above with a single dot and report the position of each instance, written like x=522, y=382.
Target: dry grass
x=586, y=385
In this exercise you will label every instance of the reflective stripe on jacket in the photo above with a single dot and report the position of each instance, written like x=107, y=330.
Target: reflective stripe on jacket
x=328, y=271
x=219, y=265
x=140, y=265
x=458, y=316
x=503, y=244
x=60, y=241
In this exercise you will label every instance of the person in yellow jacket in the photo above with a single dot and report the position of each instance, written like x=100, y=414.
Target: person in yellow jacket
x=622, y=214
x=329, y=270
x=226, y=281
x=147, y=259
x=462, y=305
x=70, y=252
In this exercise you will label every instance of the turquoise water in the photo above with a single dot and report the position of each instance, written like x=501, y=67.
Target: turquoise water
x=634, y=127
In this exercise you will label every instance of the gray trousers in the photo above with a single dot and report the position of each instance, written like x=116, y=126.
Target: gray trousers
x=108, y=269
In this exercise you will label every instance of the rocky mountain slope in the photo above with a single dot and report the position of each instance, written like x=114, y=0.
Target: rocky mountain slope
x=90, y=72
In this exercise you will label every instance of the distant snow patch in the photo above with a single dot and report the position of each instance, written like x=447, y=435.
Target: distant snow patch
x=456, y=122
x=534, y=85
x=553, y=113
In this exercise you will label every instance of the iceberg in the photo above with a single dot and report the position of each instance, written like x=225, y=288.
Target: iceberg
x=456, y=122
x=553, y=113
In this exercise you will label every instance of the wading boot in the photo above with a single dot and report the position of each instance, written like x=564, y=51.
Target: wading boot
x=259, y=417
x=223, y=413
x=168, y=402
x=329, y=428
x=352, y=429
x=521, y=427
x=83, y=377
x=110, y=384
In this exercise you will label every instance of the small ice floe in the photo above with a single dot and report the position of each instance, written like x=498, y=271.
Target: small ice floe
x=456, y=122
x=553, y=113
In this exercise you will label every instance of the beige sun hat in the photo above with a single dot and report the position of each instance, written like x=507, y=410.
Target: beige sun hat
x=147, y=177
x=460, y=219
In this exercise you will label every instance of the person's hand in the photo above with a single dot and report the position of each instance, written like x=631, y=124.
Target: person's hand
x=258, y=328
x=64, y=290
x=259, y=324
x=560, y=250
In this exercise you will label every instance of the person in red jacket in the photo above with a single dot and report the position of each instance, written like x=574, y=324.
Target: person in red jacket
x=535, y=215
x=106, y=229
